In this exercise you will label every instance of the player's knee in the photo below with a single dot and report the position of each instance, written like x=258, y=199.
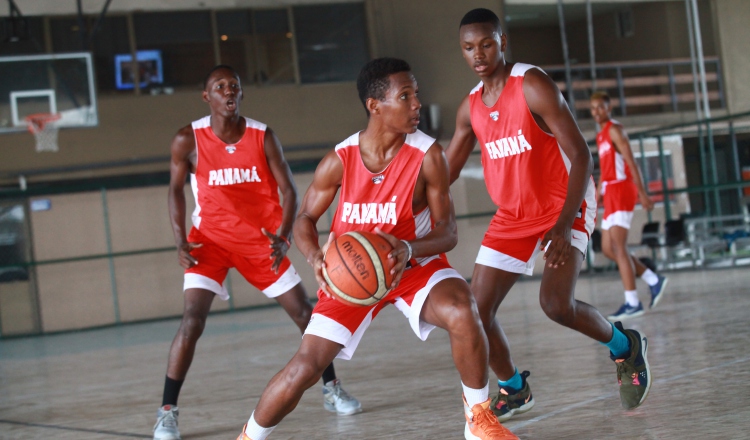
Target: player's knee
x=301, y=373
x=461, y=313
x=192, y=326
x=302, y=317
x=559, y=311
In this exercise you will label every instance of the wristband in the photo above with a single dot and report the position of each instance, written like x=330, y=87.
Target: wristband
x=286, y=240
x=408, y=247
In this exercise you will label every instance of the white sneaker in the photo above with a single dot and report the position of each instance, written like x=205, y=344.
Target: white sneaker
x=166, y=423
x=336, y=399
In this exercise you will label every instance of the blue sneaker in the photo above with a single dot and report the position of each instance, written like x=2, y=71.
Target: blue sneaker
x=657, y=291
x=626, y=311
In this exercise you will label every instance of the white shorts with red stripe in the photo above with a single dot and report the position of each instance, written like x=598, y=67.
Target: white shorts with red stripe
x=345, y=324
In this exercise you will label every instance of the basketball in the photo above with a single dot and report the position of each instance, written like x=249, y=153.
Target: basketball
x=356, y=268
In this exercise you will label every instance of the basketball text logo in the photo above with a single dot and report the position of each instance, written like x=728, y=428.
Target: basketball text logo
x=604, y=148
x=508, y=146
x=232, y=176
x=230, y=149
x=378, y=179
x=376, y=213
x=356, y=260
x=495, y=116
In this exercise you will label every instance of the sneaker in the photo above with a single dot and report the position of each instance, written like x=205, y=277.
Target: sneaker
x=626, y=311
x=633, y=372
x=481, y=424
x=244, y=436
x=509, y=401
x=166, y=423
x=336, y=399
x=657, y=291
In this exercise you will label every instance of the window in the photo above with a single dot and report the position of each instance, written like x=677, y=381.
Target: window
x=331, y=41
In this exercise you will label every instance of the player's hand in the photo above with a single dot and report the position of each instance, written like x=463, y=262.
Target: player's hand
x=558, y=240
x=646, y=202
x=183, y=254
x=398, y=257
x=317, y=263
x=279, y=248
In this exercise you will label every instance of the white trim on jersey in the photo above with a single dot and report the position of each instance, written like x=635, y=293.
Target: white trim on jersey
x=286, y=281
x=348, y=142
x=252, y=123
x=520, y=69
x=476, y=88
x=590, y=214
x=196, y=217
x=202, y=123
x=326, y=328
x=419, y=140
x=619, y=166
x=422, y=227
x=198, y=281
x=421, y=328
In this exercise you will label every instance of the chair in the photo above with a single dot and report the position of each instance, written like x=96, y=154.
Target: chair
x=650, y=235
x=679, y=253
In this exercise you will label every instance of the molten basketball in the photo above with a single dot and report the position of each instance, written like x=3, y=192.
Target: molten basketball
x=356, y=268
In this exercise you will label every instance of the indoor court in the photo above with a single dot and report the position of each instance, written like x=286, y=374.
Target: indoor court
x=92, y=93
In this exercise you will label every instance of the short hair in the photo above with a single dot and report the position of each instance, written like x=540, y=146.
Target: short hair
x=601, y=95
x=219, y=67
x=482, y=15
x=373, y=80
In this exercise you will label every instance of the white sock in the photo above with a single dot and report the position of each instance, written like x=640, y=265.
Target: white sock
x=650, y=277
x=631, y=297
x=474, y=396
x=255, y=431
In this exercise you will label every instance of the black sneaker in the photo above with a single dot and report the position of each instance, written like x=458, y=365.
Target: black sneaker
x=509, y=401
x=633, y=372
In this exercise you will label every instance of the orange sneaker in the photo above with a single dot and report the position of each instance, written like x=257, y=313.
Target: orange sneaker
x=482, y=424
x=244, y=436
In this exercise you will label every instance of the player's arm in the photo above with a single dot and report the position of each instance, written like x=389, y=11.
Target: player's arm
x=317, y=199
x=553, y=115
x=622, y=145
x=444, y=234
x=280, y=240
x=463, y=141
x=183, y=154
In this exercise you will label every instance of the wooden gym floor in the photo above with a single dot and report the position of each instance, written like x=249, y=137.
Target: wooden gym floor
x=107, y=383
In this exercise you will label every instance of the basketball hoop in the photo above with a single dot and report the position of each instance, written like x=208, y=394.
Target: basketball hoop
x=44, y=128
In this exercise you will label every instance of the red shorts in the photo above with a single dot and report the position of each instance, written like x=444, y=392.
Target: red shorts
x=214, y=262
x=344, y=324
x=518, y=255
x=619, y=202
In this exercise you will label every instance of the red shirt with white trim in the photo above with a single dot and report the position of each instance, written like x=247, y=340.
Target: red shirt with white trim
x=525, y=169
x=611, y=163
x=235, y=191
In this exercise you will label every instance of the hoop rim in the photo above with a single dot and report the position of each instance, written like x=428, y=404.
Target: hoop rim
x=37, y=121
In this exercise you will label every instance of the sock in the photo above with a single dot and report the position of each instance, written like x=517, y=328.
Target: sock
x=329, y=374
x=171, y=391
x=631, y=297
x=255, y=431
x=514, y=382
x=619, y=345
x=473, y=396
x=650, y=277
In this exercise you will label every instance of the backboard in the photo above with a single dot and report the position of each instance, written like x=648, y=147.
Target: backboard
x=47, y=83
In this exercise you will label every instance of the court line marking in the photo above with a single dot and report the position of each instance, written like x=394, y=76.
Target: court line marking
x=65, y=428
x=609, y=395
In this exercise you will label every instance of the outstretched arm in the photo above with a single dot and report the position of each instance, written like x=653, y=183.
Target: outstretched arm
x=183, y=156
x=281, y=239
x=463, y=141
x=316, y=201
x=552, y=114
x=622, y=145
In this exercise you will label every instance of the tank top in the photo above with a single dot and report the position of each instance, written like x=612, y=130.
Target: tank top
x=611, y=163
x=382, y=199
x=525, y=169
x=235, y=192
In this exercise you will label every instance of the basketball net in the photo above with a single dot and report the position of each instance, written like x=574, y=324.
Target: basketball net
x=44, y=128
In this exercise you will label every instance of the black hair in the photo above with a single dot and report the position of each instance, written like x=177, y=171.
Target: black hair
x=373, y=80
x=602, y=95
x=219, y=67
x=482, y=15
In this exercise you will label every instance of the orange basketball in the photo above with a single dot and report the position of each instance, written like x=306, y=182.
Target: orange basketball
x=356, y=268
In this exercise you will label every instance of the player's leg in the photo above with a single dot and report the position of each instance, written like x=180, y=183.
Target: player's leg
x=618, y=242
x=657, y=283
x=284, y=391
x=627, y=347
x=287, y=289
x=197, y=306
x=451, y=306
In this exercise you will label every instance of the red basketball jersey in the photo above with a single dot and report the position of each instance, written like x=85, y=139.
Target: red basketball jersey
x=611, y=163
x=382, y=199
x=235, y=191
x=525, y=170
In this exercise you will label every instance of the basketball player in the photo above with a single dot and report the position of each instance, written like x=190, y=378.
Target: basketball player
x=620, y=186
x=236, y=168
x=393, y=166
x=537, y=168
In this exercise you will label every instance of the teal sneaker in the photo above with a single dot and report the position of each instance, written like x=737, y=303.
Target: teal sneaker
x=509, y=401
x=633, y=372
